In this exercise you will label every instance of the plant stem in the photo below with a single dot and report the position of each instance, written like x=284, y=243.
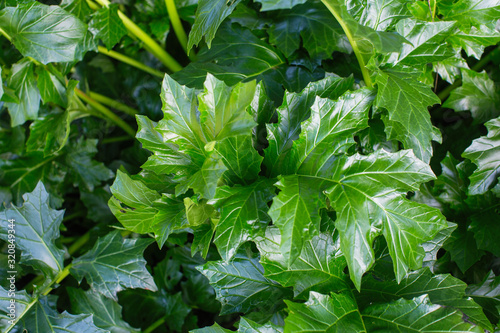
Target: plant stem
x=129, y=61
x=155, y=325
x=149, y=43
x=106, y=112
x=112, y=103
x=5, y=35
x=72, y=216
x=93, y=5
x=354, y=45
x=178, y=28
x=116, y=139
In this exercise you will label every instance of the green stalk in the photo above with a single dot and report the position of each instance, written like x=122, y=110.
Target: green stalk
x=5, y=35
x=106, y=112
x=116, y=139
x=129, y=61
x=149, y=43
x=178, y=28
x=354, y=45
x=79, y=243
x=112, y=103
x=155, y=325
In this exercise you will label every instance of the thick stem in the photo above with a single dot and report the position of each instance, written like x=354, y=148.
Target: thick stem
x=112, y=103
x=129, y=61
x=155, y=325
x=354, y=45
x=5, y=35
x=79, y=243
x=106, y=112
x=178, y=28
x=149, y=43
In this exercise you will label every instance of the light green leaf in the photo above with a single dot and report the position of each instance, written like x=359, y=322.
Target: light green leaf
x=22, y=299
x=478, y=94
x=322, y=313
x=243, y=212
x=22, y=81
x=49, y=133
x=215, y=328
x=241, y=286
x=406, y=99
x=470, y=12
x=1, y=83
x=132, y=203
x=107, y=26
x=485, y=153
x=241, y=160
x=51, y=89
x=473, y=40
x=204, y=181
x=428, y=42
x=295, y=211
x=114, y=264
x=319, y=267
x=416, y=315
x=209, y=16
x=368, y=198
x=46, y=33
x=250, y=326
x=107, y=314
x=379, y=14
x=294, y=110
x=79, y=8
x=170, y=216
x=279, y=4
x=36, y=227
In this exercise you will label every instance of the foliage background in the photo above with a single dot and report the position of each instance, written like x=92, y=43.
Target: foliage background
x=310, y=165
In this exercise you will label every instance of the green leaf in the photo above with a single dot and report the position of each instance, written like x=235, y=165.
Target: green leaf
x=114, y=264
x=463, y=249
x=485, y=227
x=294, y=110
x=417, y=315
x=295, y=211
x=22, y=301
x=209, y=16
x=132, y=203
x=330, y=131
x=204, y=181
x=50, y=133
x=268, y=5
x=22, y=81
x=477, y=94
x=473, y=40
x=107, y=26
x=487, y=294
x=406, y=99
x=43, y=318
x=241, y=160
x=106, y=312
x=322, y=313
x=1, y=83
x=320, y=266
x=379, y=14
x=470, y=12
x=215, y=328
x=241, y=286
x=442, y=289
x=36, y=227
x=51, y=89
x=484, y=152
x=46, y=33
x=236, y=55
x=170, y=216
x=86, y=171
x=311, y=26
x=243, y=212
x=250, y=326
x=428, y=42
x=78, y=8
x=368, y=200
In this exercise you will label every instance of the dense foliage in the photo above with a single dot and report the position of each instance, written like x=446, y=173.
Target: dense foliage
x=250, y=165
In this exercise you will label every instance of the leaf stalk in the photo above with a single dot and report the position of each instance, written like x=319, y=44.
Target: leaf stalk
x=129, y=61
x=178, y=28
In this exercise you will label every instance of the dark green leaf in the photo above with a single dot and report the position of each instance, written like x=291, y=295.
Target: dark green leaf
x=50, y=133
x=107, y=26
x=79, y=8
x=106, y=312
x=463, y=249
x=487, y=294
x=114, y=264
x=209, y=16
